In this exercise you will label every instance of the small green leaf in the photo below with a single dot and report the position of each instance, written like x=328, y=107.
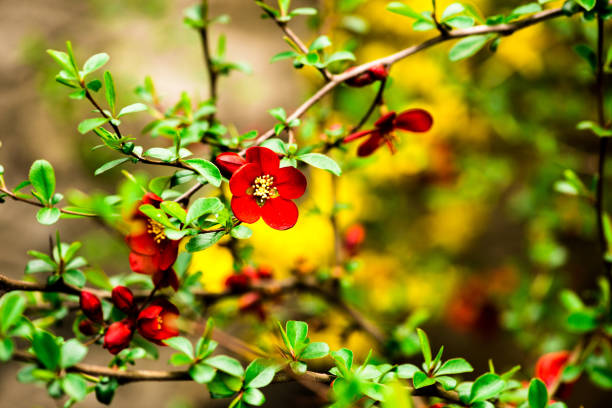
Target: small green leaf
x=178, y=359
x=91, y=124
x=109, y=165
x=12, y=306
x=74, y=277
x=181, y=344
x=174, y=209
x=259, y=374
x=226, y=364
x=109, y=86
x=314, y=350
x=319, y=43
x=425, y=347
x=284, y=55
x=6, y=349
x=75, y=386
x=254, y=397
x=455, y=366
x=321, y=161
x=296, y=332
x=407, y=371
x=202, y=241
x=63, y=60
x=206, y=169
x=467, y=47
x=72, y=352
x=46, y=349
x=582, y=321
x=403, y=9
x=587, y=4
x=486, y=386
x=95, y=62
x=202, y=373
x=156, y=215
x=241, y=232
x=538, y=395
x=42, y=178
x=165, y=155
x=602, y=376
x=48, y=216
x=421, y=380
x=133, y=108
x=202, y=206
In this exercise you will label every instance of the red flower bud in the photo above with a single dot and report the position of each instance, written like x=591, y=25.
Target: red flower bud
x=353, y=238
x=228, y=163
x=118, y=336
x=157, y=321
x=91, y=306
x=251, y=302
x=87, y=327
x=238, y=282
x=152, y=198
x=123, y=298
x=376, y=73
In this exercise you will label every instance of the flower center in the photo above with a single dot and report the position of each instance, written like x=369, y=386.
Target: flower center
x=159, y=322
x=157, y=230
x=263, y=188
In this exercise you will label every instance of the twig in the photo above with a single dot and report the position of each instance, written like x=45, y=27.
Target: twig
x=378, y=100
x=210, y=66
x=502, y=29
x=187, y=194
x=39, y=204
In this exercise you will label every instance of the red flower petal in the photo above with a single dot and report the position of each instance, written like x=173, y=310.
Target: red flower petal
x=150, y=312
x=290, y=182
x=414, y=120
x=142, y=243
x=151, y=198
x=280, y=213
x=165, y=278
x=265, y=158
x=245, y=208
x=229, y=162
x=143, y=263
x=243, y=178
x=369, y=146
x=357, y=135
x=168, y=252
x=550, y=366
x=386, y=120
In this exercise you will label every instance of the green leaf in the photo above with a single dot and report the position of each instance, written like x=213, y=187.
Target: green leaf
x=42, y=178
x=421, y=380
x=587, y=4
x=449, y=383
x=71, y=353
x=425, y=347
x=109, y=165
x=314, y=350
x=276, y=145
x=163, y=154
x=253, y=396
x=48, y=216
x=278, y=114
x=407, y=371
x=595, y=128
x=202, y=206
x=156, y=215
x=486, y=386
x=12, y=306
x=46, y=349
x=340, y=56
x=467, y=47
x=202, y=241
x=202, y=373
x=321, y=161
x=241, y=232
x=95, y=62
x=133, y=108
x=526, y=9
x=91, y=124
x=284, y=55
x=75, y=386
x=455, y=366
x=259, y=374
x=181, y=344
x=303, y=11
x=582, y=321
x=460, y=22
x=109, y=87
x=175, y=210
x=178, y=359
x=226, y=364
x=6, y=349
x=319, y=43
x=94, y=85
x=74, y=277
x=403, y=9
x=451, y=10
x=538, y=395
x=296, y=332
x=602, y=376
x=63, y=60
x=587, y=54
x=206, y=169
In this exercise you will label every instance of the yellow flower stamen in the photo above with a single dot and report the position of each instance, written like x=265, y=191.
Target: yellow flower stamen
x=157, y=230
x=263, y=188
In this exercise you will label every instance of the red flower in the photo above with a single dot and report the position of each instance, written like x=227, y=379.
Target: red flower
x=152, y=253
x=262, y=189
x=549, y=368
x=413, y=120
x=118, y=336
x=376, y=73
x=228, y=163
x=251, y=303
x=264, y=272
x=238, y=282
x=353, y=238
x=88, y=328
x=123, y=298
x=91, y=306
x=157, y=321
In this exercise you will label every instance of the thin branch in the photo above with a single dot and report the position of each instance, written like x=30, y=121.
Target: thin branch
x=378, y=100
x=502, y=29
x=187, y=194
x=39, y=204
x=210, y=66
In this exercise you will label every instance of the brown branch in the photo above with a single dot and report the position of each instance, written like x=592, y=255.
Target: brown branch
x=39, y=204
x=213, y=75
x=378, y=100
x=502, y=29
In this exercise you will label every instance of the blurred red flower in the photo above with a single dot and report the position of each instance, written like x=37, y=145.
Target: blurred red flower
x=152, y=253
x=123, y=299
x=549, y=368
x=353, y=238
x=118, y=336
x=229, y=162
x=157, y=321
x=261, y=188
x=413, y=120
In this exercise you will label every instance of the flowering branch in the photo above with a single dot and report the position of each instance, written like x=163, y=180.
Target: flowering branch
x=502, y=29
